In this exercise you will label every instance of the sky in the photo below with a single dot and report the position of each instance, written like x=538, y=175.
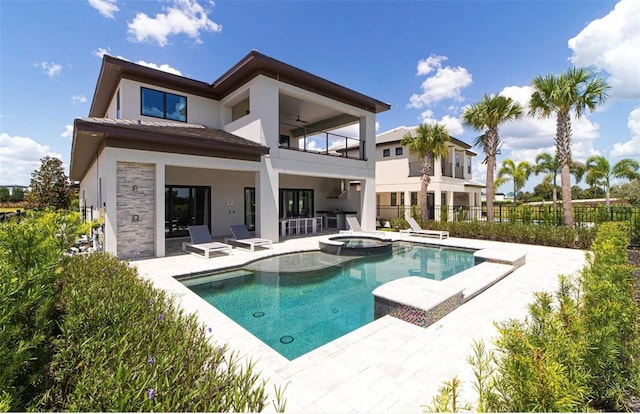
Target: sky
x=428, y=59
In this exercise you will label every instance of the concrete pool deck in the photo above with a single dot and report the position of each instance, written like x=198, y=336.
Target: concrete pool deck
x=387, y=365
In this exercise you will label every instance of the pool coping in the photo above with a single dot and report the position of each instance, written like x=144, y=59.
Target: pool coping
x=302, y=372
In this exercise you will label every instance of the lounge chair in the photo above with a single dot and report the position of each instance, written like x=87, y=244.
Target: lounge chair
x=241, y=236
x=201, y=240
x=416, y=230
x=354, y=227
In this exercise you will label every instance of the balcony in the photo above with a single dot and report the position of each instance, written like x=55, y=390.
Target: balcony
x=322, y=142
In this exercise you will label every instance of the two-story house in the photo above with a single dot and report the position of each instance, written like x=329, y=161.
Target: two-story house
x=398, y=174
x=159, y=152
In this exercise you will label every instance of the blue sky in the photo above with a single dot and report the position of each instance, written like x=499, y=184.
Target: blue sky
x=428, y=59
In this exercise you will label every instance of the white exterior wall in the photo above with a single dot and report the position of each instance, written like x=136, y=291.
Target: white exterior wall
x=200, y=110
x=228, y=177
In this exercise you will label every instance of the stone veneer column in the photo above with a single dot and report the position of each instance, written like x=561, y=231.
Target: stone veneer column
x=135, y=205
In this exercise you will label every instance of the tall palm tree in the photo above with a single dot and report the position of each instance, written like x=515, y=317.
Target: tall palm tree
x=576, y=90
x=548, y=164
x=486, y=116
x=428, y=143
x=518, y=173
x=600, y=173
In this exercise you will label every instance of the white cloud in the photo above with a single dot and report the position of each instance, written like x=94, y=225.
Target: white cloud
x=630, y=148
x=51, y=69
x=184, y=16
x=78, y=99
x=453, y=124
x=612, y=43
x=446, y=83
x=164, y=67
x=107, y=8
x=19, y=157
x=101, y=52
x=68, y=131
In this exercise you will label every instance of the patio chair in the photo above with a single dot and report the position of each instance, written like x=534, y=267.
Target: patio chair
x=416, y=230
x=201, y=240
x=354, y=227
x=241, y=236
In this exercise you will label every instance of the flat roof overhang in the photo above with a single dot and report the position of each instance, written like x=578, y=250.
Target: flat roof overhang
x=91, y=137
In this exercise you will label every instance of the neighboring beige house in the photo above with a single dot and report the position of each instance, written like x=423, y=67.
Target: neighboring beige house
x=159, y=152
x=398, y=178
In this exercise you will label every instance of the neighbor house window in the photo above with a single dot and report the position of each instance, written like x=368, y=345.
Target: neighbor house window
x=399, y=151
x=164, y=105
x=469, y=165
x=457, y=160
x=394, y=199
x=118, y=104
x=386, y=152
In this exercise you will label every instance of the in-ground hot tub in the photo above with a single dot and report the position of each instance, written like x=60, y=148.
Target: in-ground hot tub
x=356, y=246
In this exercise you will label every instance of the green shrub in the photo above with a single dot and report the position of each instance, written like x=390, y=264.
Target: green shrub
x=610, y=311
x=575, y=351
x=31, y=260
x=126, y=347
x=399, y=223
x=543, y=235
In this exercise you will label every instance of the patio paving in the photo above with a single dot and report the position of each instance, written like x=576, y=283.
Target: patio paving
x=388, y=365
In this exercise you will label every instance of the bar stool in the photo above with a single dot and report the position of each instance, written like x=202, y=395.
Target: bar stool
x=294, y=225
x=317, y=224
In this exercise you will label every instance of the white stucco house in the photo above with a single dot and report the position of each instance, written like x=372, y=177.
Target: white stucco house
x=263, y=142
x=398, y=178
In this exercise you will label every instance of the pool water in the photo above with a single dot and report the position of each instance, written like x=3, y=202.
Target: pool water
x=298, y=302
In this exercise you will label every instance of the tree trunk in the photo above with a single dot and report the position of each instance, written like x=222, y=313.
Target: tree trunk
x=567, y=204
x=555, y=192
x=425, y=179
x=563, y=152
x=491, y=165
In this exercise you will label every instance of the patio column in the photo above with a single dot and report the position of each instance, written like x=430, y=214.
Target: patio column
x=368, y=204
x=407, y=204
x=266, y=182
x=437, y=204
x=450, y=201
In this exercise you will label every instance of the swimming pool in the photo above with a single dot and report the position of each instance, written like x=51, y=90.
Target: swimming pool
x=297, y=302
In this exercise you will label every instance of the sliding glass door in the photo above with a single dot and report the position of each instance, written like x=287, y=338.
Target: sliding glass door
x=185, y=206
x=296, y=203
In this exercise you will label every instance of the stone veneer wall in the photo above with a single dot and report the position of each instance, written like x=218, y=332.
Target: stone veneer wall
x=136, y=204
x=420, y=317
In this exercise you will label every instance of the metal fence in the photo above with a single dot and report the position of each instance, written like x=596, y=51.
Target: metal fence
x=521, y=214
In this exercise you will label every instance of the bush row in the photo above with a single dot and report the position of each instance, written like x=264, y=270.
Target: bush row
x=542, y=235
x=84, y=333
x=576, y=350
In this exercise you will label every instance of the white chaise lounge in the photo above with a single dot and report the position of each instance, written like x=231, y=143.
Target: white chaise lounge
x=355, y=228
x=201, y=240
x=416, y=230
x=241, y=236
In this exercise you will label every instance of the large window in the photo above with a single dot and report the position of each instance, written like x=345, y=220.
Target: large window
x=164, y=105
x=250, y=208
x=184, y=207
x=296, y=203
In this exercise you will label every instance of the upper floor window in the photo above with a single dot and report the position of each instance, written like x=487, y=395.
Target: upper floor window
x=163, y=105
x=398, y=150
x=240, y=109
x=469, y=165
x=457, y=160
x=386, y=152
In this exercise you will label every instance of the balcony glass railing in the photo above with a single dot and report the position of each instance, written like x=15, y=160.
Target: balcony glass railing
x=324, y=142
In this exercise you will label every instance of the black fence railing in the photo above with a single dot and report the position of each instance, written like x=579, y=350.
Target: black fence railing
x=585, y=216
x=6, y=215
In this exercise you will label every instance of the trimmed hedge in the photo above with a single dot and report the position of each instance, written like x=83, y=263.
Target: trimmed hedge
x=542, y=235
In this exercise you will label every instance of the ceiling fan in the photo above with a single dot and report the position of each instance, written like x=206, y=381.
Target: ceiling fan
x=300, y=120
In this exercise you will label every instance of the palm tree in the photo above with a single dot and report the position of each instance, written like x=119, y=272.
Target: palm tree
x=547, y=163
x=600, y=173
x=486, y=116
x=576, y=90
x=519, y=174
x=430, y=142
